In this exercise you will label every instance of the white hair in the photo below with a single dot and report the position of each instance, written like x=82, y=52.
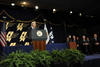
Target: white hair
x=34, y=22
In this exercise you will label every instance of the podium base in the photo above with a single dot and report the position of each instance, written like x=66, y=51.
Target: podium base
x=72, y=45
x=39, y=45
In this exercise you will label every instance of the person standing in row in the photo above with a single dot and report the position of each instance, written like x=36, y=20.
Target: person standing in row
x=84, y=45
x=72, y=42
x=95, y=44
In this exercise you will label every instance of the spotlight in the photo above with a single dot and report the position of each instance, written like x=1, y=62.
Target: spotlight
x=54, y=10
x=12, y=4
x=36, y=7
x=24, y=3
x=71, y=12
x=80, y=14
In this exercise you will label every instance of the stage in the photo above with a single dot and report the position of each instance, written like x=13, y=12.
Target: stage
x=50, y=47
x=89, y=61
x=92, y=61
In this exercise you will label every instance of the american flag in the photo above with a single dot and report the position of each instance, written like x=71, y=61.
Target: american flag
x=3, y=35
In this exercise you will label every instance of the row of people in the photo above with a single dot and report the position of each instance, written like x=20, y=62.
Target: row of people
x=87, y=45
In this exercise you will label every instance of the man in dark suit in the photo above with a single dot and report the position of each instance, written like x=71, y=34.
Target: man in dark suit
x=31, y=29
x=30, y=32
x=84, y=45
x=72, y=42
x=76, y=41
x=95, y=43
x=37, y=44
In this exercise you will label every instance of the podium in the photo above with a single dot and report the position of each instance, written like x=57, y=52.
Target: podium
x=39, y=39
x=72, y=45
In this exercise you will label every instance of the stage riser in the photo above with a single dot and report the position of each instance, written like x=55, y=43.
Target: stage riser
x=50, y=47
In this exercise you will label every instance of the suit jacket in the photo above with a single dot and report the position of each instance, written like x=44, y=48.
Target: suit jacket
x=93, y=41
x=82, y=46
x=30, y=32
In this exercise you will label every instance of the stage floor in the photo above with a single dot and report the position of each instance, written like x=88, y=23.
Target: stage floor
x=92, y=61
x=92, y=57
x=89, y=61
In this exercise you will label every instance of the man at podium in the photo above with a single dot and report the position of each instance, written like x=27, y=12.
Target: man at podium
x=38, y=37
x=32, y=28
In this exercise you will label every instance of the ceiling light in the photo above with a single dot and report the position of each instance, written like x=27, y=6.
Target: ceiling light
x=80, y=14
x=71, y=12
x=24, y=3
x=54, y=10
x=36, y=7
x=12, y=4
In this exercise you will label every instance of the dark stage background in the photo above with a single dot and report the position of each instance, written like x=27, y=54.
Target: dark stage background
x=62, y=23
